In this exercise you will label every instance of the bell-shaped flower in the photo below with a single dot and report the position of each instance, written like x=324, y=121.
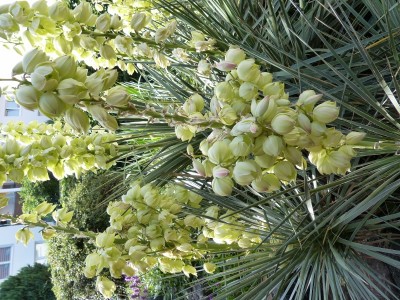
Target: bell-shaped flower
x=105, y=286
x=45, y=77
x=117, y=96
x=273, y=145
x=204, y=68
x=51, y=105
x=62, y=216
x=325, y=112
x=72, y=91
x=65, y=66
x=248, y=70
x=44, y=208
x=219, y=153
x=265, y=78
x=116, y=22
x=245, y=172
x=27, y=96
x=235, y=55
x=220, y=172
x=88, y=43
x=266, y=183
x=265, y=161
x=282, y=124
x=24, y=235
x=241, y=145
x=83, y=14
x=161, y=60
x=123, y=44
x=103, y=117
x=285, y=171
x=209, y=268
x=139, y=21
x=32, y=59
x=227, y=115
x=48, y=233
x=222, y=186
x=103, y=22
x=246, y=126
x=59, y=11
x=78, y=120
x=189, y=270
x=224, y=91
x=107, y=52
x=8, y=23
x=248, y=91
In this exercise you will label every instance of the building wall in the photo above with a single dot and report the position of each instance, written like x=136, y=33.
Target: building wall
x=10, y=111
x=21, y=255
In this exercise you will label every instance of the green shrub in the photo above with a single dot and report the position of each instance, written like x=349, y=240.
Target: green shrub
x=34, y=193
x=31, y=283
x=87, y=197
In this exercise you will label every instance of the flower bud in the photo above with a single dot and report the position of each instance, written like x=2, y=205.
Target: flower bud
x=245, y=172
x=285, y=171
x=273, y=145
x=32, y=59
x=248, y=71
x=235, y=55
x=139, y=21
x=304, y=122
x=220, y=172
x=51, y=105
x=117, y=96
x=27, y=96
x=222, y=186
x=247, y=125
x=209, y=267
x=103, y=22
x=78, y=120
x=17, y=69
x=248, y=91
x=266, y=183
x=354, y=137
x=71, y=91
x=282, y=124
x=326, y=112
x=225, y=66
x=102, y=116
x=24, y=235
x=224, y=91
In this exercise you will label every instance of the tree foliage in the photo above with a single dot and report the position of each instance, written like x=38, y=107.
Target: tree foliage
x=31, y=282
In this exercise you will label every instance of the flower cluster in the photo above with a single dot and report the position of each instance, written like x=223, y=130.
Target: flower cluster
x=263, y=135
x=103, y=39
x=31, y=150
x=153, y=227
x=60, y=87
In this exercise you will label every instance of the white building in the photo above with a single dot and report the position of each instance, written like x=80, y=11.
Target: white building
x=13, y=255
x=11, y=111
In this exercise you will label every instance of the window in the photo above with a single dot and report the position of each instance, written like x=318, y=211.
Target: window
x=41, y=253
x=5, y=258
x=12, y=109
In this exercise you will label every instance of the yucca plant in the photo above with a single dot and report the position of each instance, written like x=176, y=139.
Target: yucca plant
x=326, y=235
